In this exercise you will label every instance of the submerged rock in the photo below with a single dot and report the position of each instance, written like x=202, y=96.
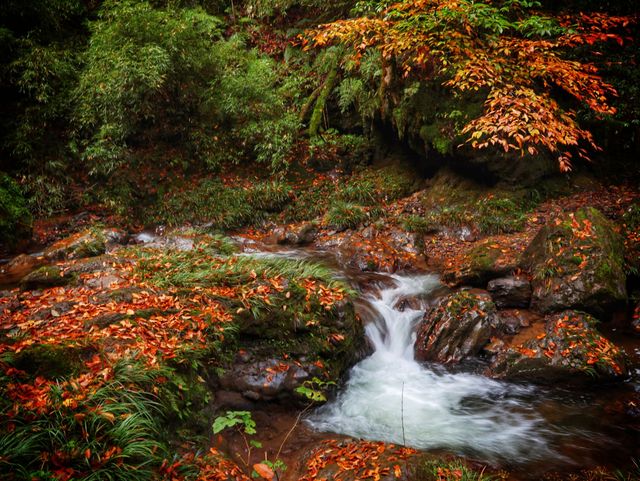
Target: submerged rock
x=510, y=291
x=457, y=327
x=569, y=349
x=577, y=263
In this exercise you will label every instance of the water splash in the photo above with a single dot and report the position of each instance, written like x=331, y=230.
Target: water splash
x=391, y=397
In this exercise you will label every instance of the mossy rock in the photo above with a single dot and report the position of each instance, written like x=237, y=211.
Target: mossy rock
x=324, y=345
x=88, y=243
x=487, y=260
x=571, y=349
x=577, y=262
x=51, y=361
x=457, y=327
x=48, y=276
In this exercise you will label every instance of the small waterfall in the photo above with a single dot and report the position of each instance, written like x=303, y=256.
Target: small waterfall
x=462, y=413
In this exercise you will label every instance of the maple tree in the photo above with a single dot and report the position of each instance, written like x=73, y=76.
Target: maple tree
x=511, y=55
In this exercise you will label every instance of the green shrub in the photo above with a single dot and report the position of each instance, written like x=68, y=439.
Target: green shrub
x=165, y=75
x=15, y=217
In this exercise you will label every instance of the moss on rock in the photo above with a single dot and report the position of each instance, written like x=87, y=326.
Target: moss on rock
x=577, y=261
x=570, y=349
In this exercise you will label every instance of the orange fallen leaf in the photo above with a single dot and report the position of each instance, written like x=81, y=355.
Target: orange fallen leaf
x=264, y=471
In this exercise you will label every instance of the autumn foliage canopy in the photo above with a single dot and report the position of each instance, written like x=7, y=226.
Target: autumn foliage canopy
x=519, y=60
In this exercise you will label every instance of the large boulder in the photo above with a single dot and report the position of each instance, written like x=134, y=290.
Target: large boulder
x=569, y=349
x=577, y=263
x=458, y=326
x=269, y=379
x=46, y=277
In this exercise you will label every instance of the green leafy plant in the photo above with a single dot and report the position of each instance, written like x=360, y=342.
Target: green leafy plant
x=15, y=217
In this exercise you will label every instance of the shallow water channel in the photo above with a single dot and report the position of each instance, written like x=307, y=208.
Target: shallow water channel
x=525, y=428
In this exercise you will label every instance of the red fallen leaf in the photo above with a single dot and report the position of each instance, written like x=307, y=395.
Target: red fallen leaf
x=264, y=471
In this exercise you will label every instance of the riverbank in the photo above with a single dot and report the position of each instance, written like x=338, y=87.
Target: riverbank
x=218, y=334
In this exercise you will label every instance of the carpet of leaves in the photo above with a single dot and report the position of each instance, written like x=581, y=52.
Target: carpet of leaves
x=132, y=319
x=359, y=459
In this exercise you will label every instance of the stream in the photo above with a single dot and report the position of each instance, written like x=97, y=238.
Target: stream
x=527, y=429
x=388, y=396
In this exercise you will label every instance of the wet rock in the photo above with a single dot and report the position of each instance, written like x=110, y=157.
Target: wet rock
x=233, y=401
x=570, y=349
x=510, y=292
x=18, y=267
x=300, y=235
x=268, y=380
x=457, y=327
x=635, y=320
x=577, y=263
x=487, y=260
x=512, y=320
x=169, y=242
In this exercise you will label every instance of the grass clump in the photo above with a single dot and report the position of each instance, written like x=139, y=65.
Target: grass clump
x=110, y=432
x=343, y=215
x=442, y=470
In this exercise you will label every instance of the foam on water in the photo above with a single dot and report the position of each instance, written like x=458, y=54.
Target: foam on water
x=390, y=397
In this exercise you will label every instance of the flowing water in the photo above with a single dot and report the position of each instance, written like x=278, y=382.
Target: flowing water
x=391, y=397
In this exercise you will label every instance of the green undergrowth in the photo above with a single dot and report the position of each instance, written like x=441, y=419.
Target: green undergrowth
x=453, y=201
x=223, y=207
x=278, y=306
x=350, y=200
x=109, y=433
x=445, y=470
x=15, y=217
x=343, y=201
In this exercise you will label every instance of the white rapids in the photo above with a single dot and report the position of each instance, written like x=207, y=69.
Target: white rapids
x=390, y=397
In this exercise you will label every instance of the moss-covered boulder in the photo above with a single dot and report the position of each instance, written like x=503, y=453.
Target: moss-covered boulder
x=88, y=243
x=458, y=326
x=569, y=349
x=48, y=276
x=280, y=351
x=488, y=259
x=577, y=262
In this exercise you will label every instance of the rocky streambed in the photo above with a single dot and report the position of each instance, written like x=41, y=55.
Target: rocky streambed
x=526, y=364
